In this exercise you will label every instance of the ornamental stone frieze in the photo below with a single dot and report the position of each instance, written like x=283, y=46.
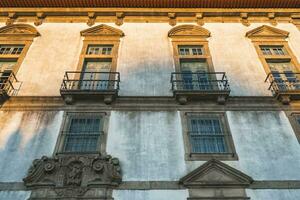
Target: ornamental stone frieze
x=73, y=176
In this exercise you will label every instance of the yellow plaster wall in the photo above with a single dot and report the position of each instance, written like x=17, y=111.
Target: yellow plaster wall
x=145, y=58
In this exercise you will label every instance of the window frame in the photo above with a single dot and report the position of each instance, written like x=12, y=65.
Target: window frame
x=19, y=58
x=292, y=116
x=206, y=56
x=101, y=147
x=289, y=56
x=190, y=156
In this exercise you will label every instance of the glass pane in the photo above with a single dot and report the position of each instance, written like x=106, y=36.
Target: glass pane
x=99, y=50
x=83, y=135
x=96, y=76
x=11, y=49
x=206, y=136
x=190, y=50
x=7, y=65
x=266, y=51
x=194, y=75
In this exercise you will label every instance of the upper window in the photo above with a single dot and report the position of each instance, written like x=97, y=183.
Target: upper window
x=273, y=50
x=99, y=50
x=82, y=133
x=11, y=49
x=208, y=137
x=191, y=50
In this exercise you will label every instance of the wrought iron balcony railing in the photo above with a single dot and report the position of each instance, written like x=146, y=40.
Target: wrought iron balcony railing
x=284, y=86
x=89, y=85
x=7, y=80
x=201, y=85
x=200, y=82
x=283, y=82
x=91, y=81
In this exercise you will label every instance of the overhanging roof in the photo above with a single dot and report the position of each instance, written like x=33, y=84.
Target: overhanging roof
x=154, y=3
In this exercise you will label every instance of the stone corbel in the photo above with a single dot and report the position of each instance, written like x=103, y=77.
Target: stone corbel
x=272, y=19
x=172, y=19
x=40, y=16
x=199, y=17
x=244, y=19
x=120, y=18
x=92, y=19
x=295, y=19
x=12, y=16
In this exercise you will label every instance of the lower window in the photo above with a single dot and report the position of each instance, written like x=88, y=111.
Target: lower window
x=81, y=133
x=208, y=136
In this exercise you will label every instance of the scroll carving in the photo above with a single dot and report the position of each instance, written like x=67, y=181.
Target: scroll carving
x=73, y=176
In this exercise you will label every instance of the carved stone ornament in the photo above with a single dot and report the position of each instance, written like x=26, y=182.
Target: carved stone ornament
x=12, y=16
x=92, y=19
x=73, y=176
x=244, y=19
x=267, y=32
x=102, y=30
x=216, y=180
x=40, y=16
x=172, y=19
x=189, y=31
x=119, y=18
x=19, y=30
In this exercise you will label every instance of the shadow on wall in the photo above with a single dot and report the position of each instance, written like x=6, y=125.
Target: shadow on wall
x=23, y=138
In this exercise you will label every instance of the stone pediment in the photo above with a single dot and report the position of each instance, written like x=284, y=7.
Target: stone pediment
x=189, y=31
x=73, y=176
x=215, y=173
x=267, y=32
x=19, y=30
x=102, y=30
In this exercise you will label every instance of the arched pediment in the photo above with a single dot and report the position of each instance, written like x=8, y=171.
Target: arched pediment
x=102, y=30
x=19, y=30
x=189, y=31
x=267, y=32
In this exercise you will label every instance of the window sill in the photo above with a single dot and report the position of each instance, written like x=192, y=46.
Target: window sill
x=209, y=156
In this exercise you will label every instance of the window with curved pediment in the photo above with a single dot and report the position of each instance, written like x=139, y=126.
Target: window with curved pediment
x=191, y=54
x=15, y=41
x=98, y=58
x=278, y=60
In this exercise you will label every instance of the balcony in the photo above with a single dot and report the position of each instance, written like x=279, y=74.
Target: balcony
x=284, y=86
x=188, y=86
x=7, y=89
x=79, y=85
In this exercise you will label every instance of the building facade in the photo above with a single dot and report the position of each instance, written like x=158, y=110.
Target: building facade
x=150, y=100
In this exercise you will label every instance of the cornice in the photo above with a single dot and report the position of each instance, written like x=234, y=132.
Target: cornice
x=171, y=15
x=155, y=3
x=135, y=103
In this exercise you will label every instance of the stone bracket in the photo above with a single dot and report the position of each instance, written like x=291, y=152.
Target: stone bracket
x=172, y=19
x=12, y=16
x=40, y=16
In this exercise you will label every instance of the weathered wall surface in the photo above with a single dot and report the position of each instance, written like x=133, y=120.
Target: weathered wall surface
x=150, y=194
x=150, y=145
x=25, y=136
x=274, y=194
x=16, y=195
x=145, y=58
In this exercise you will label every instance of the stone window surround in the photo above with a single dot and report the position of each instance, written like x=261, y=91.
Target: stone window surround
x=272, y=37
x=292, y=116
x=185, y=37
x=19, y=34
x=232, y=155
x=103, y=138
x=92, y=39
